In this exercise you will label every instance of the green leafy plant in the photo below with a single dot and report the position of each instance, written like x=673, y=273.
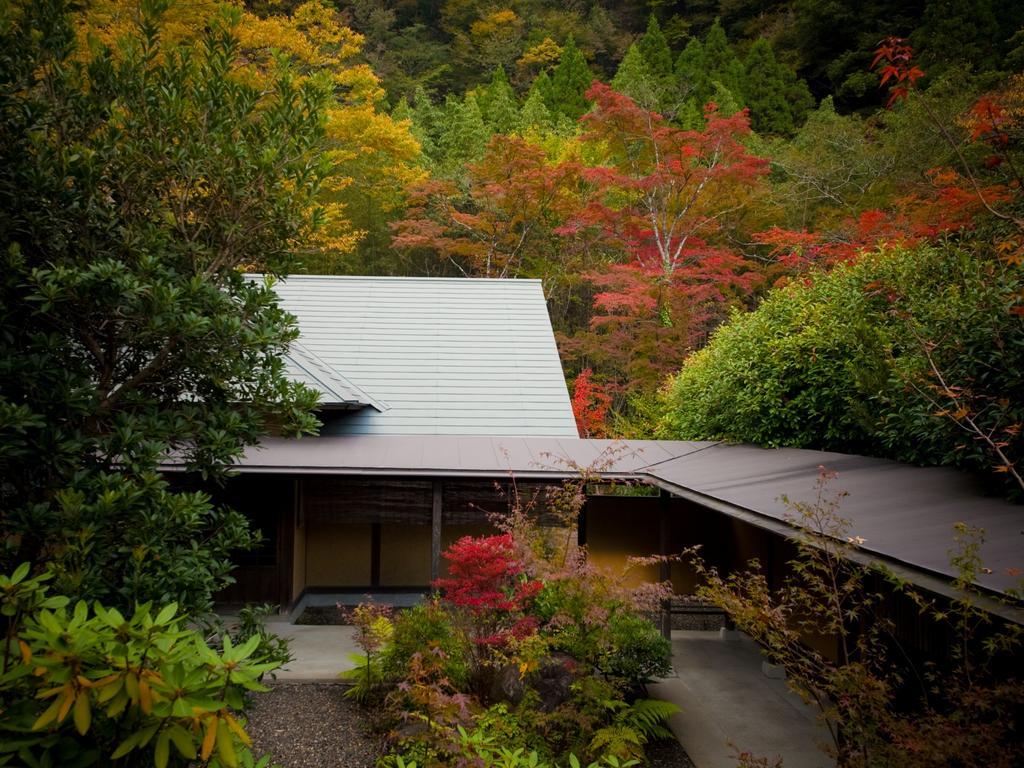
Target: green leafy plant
x=633, y=725
x=425, y=626
x=89, y=685
x=373, y=629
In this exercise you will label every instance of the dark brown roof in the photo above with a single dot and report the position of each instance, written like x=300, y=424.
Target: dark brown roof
x=904, y=514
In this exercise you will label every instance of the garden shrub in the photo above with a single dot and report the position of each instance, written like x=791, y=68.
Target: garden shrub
x=85, y=685
x=531, y=656
x=633, y=649
x=374, y=627
x=423, y=627
x=850, y=361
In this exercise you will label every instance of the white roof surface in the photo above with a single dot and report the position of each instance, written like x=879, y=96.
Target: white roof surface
x=433, y=356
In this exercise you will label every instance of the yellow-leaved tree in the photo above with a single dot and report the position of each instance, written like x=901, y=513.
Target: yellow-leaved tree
x=372, y=156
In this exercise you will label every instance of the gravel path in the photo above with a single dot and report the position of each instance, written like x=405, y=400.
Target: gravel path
x=312, y=725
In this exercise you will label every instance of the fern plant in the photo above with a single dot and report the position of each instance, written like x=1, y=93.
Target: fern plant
x=632, y=727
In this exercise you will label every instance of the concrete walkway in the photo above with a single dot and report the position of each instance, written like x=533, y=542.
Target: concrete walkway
x=719, y=684
x=321, y=652
x=727, y=698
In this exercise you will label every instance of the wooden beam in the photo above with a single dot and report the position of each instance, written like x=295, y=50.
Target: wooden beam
x=435, y=531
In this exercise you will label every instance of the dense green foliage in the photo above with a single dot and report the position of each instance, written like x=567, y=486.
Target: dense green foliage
x=850, y=361
x=426, y=626
x=133, y=190
x=83, y=686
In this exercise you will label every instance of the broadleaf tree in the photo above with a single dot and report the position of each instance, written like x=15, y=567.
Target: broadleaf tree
x=135, y=189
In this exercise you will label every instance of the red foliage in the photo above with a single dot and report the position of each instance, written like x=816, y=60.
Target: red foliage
x=947, y=205
x=989, y=120
x=663, y=201
x=590, y=404
x=488, y=580
x=894, y=61
x=515, y=196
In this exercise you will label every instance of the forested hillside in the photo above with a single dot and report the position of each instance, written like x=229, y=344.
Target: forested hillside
x=664, y=167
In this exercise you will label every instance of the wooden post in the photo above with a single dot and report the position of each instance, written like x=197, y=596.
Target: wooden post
x=665, y=569
x=375, y=547
x=435, y=533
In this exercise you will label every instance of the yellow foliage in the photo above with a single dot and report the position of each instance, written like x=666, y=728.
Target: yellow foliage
x=112, y=22
x=543, y=55
x=493, y=23
x=369, y=150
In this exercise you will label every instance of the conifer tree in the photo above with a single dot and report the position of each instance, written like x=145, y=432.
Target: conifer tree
x=654, y=48
x=721, y=63
x=634, y=79
x=689, y=115
x=657, y=56
x=498, y=104
x=798, y=95
x=534, y=116
x=766, y=91
x=777, y=98
x=426, y=120
x=570, y=81
x=542, y=87
x=692, y=74
x=726, y=101
x=465, y=135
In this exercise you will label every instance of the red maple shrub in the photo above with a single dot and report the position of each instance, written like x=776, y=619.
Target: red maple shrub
x=488, y=582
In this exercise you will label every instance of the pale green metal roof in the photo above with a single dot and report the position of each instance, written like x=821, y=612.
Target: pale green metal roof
x=335, y=390
x=442, y=356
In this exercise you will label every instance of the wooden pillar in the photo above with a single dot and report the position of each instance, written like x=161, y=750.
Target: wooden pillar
x=285, y=546
x=375, y=548
x=435, y=532
x=665, y=569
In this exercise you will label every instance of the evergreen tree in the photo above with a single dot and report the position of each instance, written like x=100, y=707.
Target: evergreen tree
x=724, y=99
x=655, y=50
x=542, y=87
x=569, y=83
x=770, y=112
x=798, y=95
x=402, y=110
x=534, y=116
x=634, y=79
x=966, y=32
x=721, y=63
x=692, y=74
x=689, y=115
x=498, y=104
x=657, y=56
x=426, y=123
x=465, y=134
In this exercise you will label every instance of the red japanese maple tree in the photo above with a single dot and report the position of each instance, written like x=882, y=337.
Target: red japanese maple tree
x=488, y=580
x=513, y=195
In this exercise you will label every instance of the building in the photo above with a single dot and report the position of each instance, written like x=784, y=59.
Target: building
x=442, y=398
